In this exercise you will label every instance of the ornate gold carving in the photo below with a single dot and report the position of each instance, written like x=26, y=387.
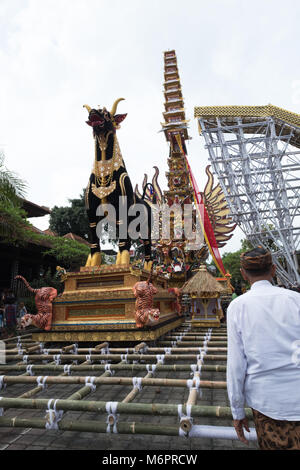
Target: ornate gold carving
x=104, y=168
x=149, y=335
x=103, y=192
x=103, y=311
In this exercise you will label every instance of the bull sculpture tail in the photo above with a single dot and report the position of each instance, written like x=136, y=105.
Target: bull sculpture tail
x=34, y=291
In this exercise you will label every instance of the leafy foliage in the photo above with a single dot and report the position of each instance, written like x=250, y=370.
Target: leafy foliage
x=12, y=216
x=74, y=219
x=11, y=186
x=69, y=253
x=232, y=264
x=71, y=218
x=47, y=280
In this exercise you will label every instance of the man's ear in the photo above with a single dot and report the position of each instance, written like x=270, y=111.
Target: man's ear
x=118, y=118
x=244, y=275
x=273, y=270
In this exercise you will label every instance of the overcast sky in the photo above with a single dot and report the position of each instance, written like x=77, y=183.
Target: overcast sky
x=56, y=55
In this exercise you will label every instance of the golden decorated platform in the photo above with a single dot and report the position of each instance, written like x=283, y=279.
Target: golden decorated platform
x=98, y=304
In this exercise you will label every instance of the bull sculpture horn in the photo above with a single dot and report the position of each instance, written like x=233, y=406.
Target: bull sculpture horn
x=87, y=107
x=115, y=105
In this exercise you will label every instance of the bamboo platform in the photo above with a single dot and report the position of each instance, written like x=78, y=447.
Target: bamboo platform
x=60, y=389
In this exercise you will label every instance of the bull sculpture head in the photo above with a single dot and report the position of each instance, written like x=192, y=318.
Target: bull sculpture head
x=103, y=121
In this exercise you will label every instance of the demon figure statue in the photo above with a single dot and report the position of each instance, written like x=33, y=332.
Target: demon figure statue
x=177, y=303
x=109, y=186
x=43, y=301
x=145, y=314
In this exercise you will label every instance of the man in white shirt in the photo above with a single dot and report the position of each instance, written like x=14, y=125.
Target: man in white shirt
x=263, y=364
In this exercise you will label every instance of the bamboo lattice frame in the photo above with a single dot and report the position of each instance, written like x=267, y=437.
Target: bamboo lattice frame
x=180, y=353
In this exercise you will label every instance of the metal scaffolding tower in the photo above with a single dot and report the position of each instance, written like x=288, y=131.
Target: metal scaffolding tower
x=255, y=153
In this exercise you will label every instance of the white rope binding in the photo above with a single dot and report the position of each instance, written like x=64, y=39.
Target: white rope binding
x=152, y=367
x=29, y=369
x=89, y=382
x=124, y=358
x=25, y=359
x=54, y=416
x=137, y=383
x=46, y=353
x=41, y=381
x=111, y=410
x=2, y=384
x=194, y=384
x=57, y=359
x=160, y=358
x=107, y=369
x=183, y=416
x=67, y=369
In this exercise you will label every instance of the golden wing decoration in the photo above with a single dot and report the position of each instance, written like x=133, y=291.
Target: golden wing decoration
x=218, y=210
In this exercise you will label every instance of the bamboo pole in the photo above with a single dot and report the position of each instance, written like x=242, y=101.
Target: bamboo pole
x=125, y=428
x=114, y=367
x=191, y=344
x=140, y=347
x=195, y=337
x=134, y=392
x=180, y=347
x=118, y=358
x=68, y=348
x=154, y=409
x=187, y=423
x=91, y=426
x=17, y=338
x=21, y=379
x=86, y=390
x=198, y=331
x=33, y=391
x=101, y=346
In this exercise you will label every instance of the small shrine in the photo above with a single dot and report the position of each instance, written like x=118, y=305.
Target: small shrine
x=204, y=291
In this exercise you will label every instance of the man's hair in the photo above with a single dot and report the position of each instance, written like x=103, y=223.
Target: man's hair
x=257, y=262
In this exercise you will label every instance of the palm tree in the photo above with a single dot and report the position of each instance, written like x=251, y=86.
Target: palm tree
x=12, y=189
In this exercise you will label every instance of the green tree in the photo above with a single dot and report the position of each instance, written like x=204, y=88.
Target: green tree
x=232, y=264
x=69, y=253
x=74, y=219
x=71, y=218
x=246, y=245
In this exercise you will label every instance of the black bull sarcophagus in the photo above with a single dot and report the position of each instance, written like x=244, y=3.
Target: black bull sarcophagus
x=110, y=187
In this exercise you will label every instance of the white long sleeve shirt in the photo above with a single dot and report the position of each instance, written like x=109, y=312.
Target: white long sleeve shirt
x=263, y=362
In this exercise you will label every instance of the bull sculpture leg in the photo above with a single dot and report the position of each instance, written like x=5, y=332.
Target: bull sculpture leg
x=91, y=202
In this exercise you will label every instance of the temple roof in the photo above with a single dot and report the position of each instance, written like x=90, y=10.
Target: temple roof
x=77, y=238
x=34, y=210
x=203, y=284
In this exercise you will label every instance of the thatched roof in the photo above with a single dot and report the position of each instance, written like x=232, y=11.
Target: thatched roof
x=202, y=284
